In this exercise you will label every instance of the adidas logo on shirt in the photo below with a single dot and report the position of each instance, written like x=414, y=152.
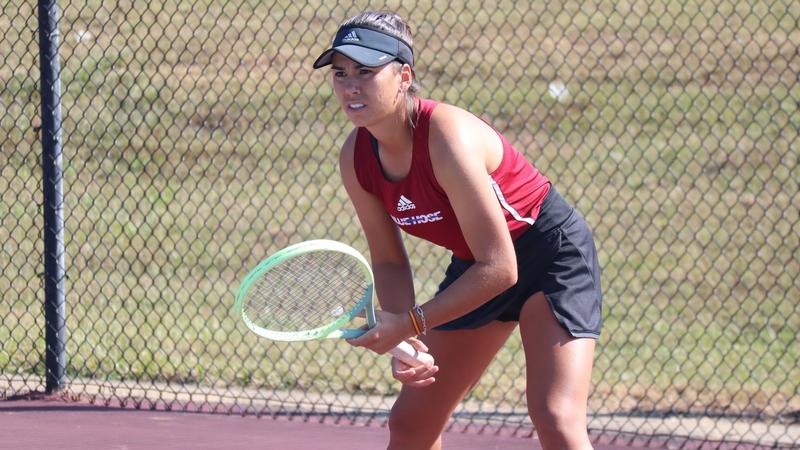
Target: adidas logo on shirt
x=351, y=36
x=405, y=204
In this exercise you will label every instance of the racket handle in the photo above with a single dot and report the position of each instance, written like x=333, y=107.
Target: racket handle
x=408, y=354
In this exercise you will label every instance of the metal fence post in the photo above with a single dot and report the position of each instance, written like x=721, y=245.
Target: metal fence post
x=55, y=355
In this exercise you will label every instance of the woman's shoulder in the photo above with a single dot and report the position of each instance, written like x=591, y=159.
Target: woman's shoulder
x=457, y=135
x=349, y=144
x=449, y=120
x=348, y=148
x=447, y=114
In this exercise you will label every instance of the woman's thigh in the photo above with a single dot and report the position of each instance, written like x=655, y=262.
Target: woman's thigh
x=420, y=414
x=559, y=367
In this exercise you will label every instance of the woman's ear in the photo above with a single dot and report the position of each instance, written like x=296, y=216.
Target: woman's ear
x=406, y=77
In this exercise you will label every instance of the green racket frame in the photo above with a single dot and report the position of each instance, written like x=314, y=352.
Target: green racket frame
x=333, y=330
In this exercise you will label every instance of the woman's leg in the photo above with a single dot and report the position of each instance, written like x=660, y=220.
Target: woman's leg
x=559, y=372
x=420, y=414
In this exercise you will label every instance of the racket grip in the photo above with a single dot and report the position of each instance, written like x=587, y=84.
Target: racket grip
x=408, y=354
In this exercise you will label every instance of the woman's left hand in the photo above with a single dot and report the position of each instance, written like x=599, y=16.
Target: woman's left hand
x=420, y=376
x=390, y=329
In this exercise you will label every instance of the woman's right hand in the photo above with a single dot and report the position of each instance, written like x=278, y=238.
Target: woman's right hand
x=414, y=376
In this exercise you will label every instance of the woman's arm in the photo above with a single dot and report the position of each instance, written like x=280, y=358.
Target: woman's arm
x=393, y=278
x=463, y=151
x=390, y=265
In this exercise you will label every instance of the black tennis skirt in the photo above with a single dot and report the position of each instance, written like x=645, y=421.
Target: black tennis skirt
x=555, y=256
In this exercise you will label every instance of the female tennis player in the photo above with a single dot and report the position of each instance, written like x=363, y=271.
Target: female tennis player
x=520, y=253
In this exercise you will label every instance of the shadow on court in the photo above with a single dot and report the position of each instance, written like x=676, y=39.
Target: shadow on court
x=56, y=424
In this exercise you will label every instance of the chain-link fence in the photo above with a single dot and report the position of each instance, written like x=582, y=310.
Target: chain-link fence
x=197, y=140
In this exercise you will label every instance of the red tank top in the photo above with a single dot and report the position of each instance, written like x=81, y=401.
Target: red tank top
x=420, y=206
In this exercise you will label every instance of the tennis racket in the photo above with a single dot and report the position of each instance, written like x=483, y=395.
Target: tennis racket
x=314, y=290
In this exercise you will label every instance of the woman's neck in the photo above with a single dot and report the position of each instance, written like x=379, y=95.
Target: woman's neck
x=396, y=135
x=394, y=141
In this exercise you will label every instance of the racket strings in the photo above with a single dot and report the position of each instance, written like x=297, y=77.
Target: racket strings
x=306, y=292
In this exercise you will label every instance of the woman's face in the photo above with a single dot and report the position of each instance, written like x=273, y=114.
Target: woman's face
x=368, y=94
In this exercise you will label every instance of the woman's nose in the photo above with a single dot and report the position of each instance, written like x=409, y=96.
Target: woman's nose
x=352, y=87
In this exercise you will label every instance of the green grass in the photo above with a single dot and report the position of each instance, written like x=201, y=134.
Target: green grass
x=190, y=155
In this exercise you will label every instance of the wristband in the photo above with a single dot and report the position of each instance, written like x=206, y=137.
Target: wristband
x=414, y=321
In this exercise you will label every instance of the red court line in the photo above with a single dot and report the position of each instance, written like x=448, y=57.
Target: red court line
x=59, y=425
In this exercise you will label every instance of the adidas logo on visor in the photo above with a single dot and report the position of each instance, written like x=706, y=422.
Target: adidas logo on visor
x=350, y=37
x=405, y=204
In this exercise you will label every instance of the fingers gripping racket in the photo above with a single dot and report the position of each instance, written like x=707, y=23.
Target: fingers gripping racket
x=313, y=290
